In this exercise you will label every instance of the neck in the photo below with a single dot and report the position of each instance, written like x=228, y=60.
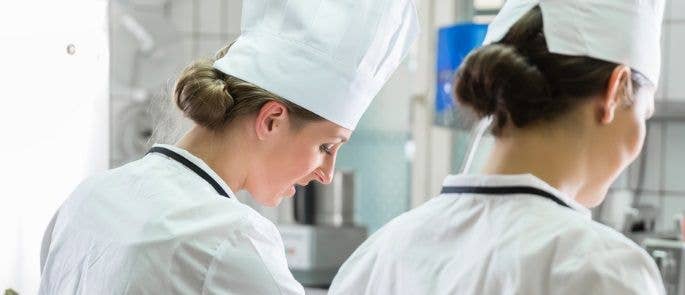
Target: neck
x=223, y=152
x=557, y=157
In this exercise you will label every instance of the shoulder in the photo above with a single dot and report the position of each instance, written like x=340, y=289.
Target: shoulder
x=236, y=250
x=251, y=260
x=365, y=269
x=605, y=262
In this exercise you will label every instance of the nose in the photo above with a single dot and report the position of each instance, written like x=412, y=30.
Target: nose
x=327, y=169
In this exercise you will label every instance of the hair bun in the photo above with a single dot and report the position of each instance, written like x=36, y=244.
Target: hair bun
x=201, y=93
x=497, y=80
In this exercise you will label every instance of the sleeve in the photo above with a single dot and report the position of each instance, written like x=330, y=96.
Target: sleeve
x=624, y=270
x=252, y=261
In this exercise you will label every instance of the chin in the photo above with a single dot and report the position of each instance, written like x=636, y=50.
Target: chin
x=271, y=201
x=593, y=198
x=596, y=201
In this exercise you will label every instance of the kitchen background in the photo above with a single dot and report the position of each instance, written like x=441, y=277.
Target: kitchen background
x=104, y=86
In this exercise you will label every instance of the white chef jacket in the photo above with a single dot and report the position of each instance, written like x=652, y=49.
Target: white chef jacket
x=156, y=227
x=473, y=243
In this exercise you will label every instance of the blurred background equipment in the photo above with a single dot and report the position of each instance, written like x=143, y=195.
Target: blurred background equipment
x=454, y=44
x=324, y=233
x=147, y=54
x=669, y=256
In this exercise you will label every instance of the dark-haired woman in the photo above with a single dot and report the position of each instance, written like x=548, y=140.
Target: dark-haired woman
x=569, y=85
x=270, y=112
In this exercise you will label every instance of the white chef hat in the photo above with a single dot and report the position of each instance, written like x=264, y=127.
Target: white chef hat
x=330, y=57
x=621, y=31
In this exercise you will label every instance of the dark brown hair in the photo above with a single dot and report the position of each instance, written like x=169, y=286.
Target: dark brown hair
x=519, y=82
x=213, y=99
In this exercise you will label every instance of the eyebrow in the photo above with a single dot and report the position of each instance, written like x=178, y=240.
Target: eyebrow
x=342, y=139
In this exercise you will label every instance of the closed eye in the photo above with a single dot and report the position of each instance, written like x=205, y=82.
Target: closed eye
x=326, y=149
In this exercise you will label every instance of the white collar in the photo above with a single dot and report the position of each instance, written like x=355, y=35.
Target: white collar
x=200, y=163
x=530, y=180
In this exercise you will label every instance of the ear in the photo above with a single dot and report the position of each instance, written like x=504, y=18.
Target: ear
x=613, y=96
x=272, y=117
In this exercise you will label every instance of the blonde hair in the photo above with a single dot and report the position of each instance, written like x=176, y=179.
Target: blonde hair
x=213, y=99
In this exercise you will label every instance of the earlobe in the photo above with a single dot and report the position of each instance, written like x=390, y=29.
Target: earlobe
x=607, y=115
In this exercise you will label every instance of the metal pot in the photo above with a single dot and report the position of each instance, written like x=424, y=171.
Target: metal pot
x=327, y=205
x=334, y=203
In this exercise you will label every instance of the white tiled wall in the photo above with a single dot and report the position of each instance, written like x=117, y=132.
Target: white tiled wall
x=663, y=84
x=652, y=152
x=182, y=31
x=676, y=10
x=675, y=60
x=212, y=16
x=181, y=16
x=675, y=153
x=231, y=22
x=208, y=46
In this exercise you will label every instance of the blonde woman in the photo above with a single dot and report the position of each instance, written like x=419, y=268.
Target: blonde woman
x=270, y=112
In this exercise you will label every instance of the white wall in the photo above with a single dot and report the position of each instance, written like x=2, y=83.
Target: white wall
x=53, y=120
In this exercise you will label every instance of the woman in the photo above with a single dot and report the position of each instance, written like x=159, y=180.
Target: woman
x=569, y=85
x=270, y=112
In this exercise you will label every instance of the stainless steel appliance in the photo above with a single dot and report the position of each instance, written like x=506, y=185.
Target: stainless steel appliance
x=324, y=234
x=315, y=253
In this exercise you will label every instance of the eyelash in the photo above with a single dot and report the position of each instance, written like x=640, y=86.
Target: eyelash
x=325, y=149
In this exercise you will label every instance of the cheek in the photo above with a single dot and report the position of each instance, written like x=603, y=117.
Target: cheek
x=307, y=160
x=299, y=162
x=279, y=169
x=637, y=131
x=644, y=102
